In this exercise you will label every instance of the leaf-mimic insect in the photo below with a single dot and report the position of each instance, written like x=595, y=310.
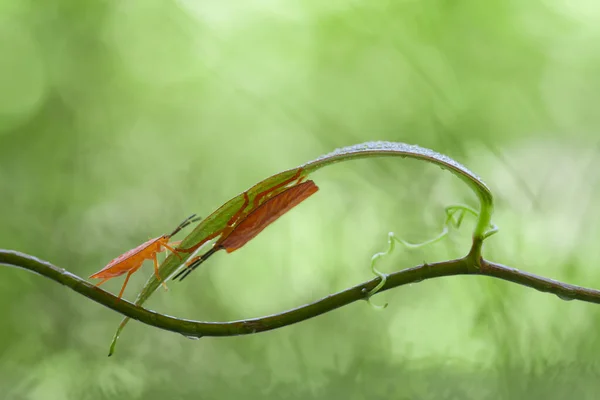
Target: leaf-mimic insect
x=245, y=225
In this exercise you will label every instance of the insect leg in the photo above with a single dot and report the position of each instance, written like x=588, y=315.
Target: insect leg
x=195, y=262
x=199, y=244
x=156, y=272
x=102, y=281
x=174, y=251
x=260, y=195
x=125, y=283
x=239, y=212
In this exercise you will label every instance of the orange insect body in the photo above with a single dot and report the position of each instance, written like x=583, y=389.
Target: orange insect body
x=244, y=226
x=132, y=260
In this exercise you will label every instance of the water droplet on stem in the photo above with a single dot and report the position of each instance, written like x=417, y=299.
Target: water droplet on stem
x=191, y=337
x=564, y=297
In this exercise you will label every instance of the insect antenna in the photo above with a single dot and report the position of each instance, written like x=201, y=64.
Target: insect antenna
x=185, y=223
x=189, y=268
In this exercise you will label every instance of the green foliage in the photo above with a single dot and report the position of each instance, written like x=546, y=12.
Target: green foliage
x=120, y=118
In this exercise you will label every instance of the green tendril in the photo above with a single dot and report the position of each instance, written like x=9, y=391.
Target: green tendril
x=457, y=211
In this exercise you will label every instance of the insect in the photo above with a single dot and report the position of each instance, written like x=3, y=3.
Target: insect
x=245, y=225
x=132, y=260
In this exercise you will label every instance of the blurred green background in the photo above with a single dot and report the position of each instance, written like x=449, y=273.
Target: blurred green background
x=120, y=118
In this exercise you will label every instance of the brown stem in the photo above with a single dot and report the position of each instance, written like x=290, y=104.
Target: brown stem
x=463, y=266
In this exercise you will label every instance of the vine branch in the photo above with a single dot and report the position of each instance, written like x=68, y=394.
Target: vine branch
x=190, y=328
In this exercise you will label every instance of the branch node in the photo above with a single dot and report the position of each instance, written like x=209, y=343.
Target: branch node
x=368, y=300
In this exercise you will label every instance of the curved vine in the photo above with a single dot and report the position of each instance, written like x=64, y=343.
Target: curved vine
x=205, y=230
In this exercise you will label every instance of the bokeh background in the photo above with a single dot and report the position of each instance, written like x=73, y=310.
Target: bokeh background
x=120, y=118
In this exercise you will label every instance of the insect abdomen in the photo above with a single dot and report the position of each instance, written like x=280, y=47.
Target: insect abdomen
x=129, y=260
